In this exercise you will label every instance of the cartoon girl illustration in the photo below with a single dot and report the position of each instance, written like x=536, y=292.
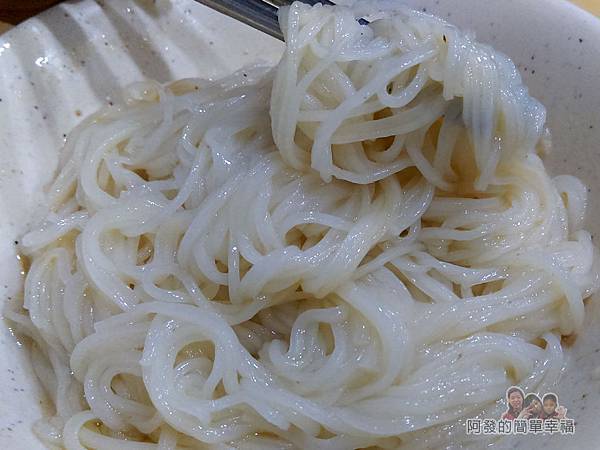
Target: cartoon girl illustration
x=551, y=409
x=514, y=398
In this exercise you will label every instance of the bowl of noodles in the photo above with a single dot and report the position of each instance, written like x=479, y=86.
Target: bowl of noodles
x=370, y=236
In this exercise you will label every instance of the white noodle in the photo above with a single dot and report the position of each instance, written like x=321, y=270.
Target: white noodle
x=358, y=248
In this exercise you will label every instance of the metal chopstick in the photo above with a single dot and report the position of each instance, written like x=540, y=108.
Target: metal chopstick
x=258, y=13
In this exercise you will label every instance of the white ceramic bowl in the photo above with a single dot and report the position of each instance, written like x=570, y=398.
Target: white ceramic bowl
x=62, y=65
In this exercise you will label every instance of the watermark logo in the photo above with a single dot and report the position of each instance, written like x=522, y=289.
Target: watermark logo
x=526, y=414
